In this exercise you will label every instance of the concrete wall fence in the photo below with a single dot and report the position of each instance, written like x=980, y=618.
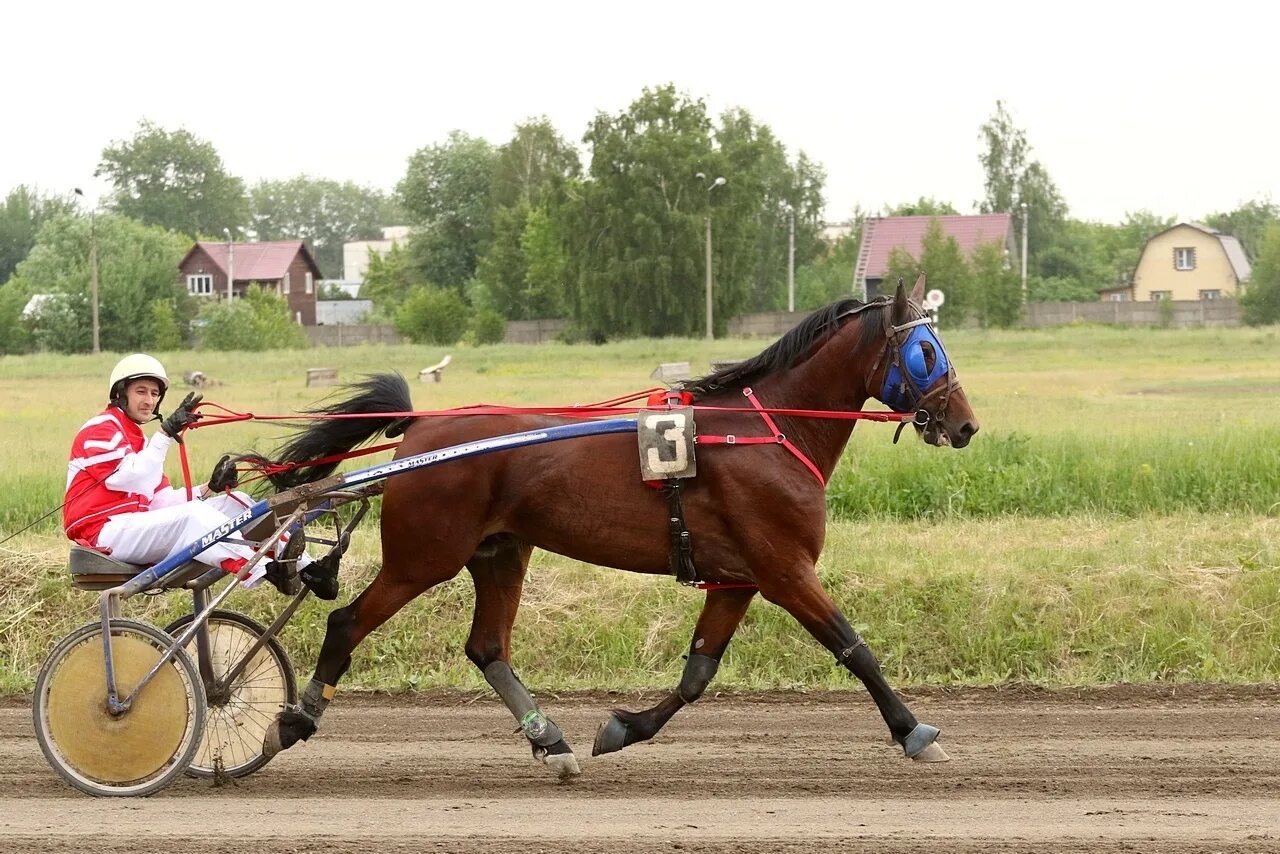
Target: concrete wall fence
x=1178, y=314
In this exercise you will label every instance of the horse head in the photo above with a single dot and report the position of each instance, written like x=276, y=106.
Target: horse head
x=919, y=376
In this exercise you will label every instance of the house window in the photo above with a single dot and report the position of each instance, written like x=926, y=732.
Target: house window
x=286, y=281
x=200, y=285
x=1214, y=294
x=310, y=282
x=1157, y=296
x=1184, y=258
x=1120, y=297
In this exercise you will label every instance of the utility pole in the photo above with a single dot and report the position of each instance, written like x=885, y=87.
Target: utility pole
x=718, y=182
x=231, y=265
x=1024, y=253
x=93, y=272
x=791, y=265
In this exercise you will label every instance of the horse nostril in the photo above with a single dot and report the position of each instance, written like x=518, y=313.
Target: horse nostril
x=967, y=429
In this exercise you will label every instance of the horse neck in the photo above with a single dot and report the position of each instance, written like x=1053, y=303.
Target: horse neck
x=834, y=379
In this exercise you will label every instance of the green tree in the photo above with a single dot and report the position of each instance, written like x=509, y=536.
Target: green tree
x=446, y=193
x=1014, y=179
x=23, y=212
x=923, y=206
x=944, y=265
x=15, y=334
x=137, y=265
x=175, y=180
x=260, y=321
x=388, y=280
x=829, y=276
x=534, y=167
x=521, y=275
x=636, y=226
x=997, y=289
x=1261, y=301
x=324, y=213
x=433, y=316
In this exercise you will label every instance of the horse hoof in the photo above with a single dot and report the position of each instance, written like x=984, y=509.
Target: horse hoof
x=920, y=740
x=611, y=736
x=932, y=753
x=285, y=731
x=559, y=758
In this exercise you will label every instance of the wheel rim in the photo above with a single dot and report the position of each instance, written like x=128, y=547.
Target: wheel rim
x=127, y=749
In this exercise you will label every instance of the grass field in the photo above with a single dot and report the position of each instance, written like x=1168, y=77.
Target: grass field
x=1115, y=520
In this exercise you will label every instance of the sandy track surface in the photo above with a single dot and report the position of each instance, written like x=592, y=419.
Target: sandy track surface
x=1191, y=770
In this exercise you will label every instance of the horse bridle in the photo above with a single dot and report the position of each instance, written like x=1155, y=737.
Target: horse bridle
x=907, y=392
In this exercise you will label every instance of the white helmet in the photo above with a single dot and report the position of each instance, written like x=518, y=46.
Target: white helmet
x=132, y=368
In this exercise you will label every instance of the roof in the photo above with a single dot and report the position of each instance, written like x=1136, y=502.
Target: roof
x=255, y=262
x=1230, y=246
x=881, y=235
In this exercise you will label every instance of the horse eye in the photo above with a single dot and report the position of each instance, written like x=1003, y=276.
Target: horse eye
x=930, y=358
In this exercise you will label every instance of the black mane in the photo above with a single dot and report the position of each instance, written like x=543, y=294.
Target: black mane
x=790, y=348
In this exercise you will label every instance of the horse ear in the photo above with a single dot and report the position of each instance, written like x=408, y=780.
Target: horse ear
x=901, y=310
x=917, y=293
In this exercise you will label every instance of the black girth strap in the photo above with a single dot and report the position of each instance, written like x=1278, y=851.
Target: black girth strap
x=680, y=561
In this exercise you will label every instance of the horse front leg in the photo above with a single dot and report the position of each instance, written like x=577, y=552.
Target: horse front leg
x=498, y=573
x=803, y=597
x=721, y=613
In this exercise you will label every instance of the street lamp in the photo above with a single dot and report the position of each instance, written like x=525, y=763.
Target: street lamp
x=1023, y=206
x=231, y=265
x=93, y=270
x=718, y=182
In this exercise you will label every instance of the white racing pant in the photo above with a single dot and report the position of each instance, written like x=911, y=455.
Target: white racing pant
x=148, y=537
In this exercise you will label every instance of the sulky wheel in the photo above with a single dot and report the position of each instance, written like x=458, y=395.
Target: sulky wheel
x=139, y=751
x=240, y=713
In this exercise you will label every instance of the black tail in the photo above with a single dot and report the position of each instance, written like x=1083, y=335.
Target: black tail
x=327, y=436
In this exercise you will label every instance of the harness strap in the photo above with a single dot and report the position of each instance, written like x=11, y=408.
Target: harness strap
x=778, y=438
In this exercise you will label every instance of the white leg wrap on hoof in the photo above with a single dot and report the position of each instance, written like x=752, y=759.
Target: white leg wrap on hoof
x=565, y=765
x=932, y=753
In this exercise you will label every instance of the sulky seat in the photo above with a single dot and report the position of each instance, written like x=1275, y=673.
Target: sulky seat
x=91, y=570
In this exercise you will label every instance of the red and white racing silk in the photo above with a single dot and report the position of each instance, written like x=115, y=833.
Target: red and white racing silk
x=113, y=470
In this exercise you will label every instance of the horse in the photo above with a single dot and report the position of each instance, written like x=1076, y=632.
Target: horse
x=757, y=514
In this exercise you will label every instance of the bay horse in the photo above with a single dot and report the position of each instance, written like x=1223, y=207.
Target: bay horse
x=757, y=514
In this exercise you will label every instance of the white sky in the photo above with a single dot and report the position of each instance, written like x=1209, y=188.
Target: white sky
x=1170, y=107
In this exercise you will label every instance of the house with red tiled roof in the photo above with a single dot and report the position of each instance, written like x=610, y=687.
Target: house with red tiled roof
x=283, y=266
x=882, y=234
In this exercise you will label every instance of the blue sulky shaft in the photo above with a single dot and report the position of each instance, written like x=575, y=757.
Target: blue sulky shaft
x=148, y=578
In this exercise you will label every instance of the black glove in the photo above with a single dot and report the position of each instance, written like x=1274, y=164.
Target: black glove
x=224, y=475
x=183, y=416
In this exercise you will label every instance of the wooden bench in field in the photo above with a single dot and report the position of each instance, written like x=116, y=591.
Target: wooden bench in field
x=671, y=372
x=436, y=372
x=322, y=376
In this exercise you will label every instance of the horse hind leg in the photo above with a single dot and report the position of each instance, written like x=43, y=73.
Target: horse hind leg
x=498, y=570
x=395, y=585
x=721, y=613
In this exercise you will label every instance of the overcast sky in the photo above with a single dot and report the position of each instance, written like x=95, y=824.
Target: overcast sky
x=1170, y=107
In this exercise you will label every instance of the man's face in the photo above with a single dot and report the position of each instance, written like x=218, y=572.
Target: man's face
x=141, y=397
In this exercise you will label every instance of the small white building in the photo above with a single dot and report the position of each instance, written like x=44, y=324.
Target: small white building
x=342, y=312
x=355, y=255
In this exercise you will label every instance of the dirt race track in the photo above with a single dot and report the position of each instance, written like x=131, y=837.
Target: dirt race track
x=1152, y=770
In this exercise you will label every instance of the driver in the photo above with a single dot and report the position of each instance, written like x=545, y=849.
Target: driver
x=120, y=502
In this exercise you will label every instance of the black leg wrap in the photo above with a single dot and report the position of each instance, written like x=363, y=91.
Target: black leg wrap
x=536, y=726
x=698, y=673
x=846, y=655
x=918, y=739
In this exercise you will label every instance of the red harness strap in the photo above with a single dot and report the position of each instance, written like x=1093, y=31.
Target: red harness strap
x=778, y=438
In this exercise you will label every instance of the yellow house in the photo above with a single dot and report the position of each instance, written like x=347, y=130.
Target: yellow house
x=1188, y=262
